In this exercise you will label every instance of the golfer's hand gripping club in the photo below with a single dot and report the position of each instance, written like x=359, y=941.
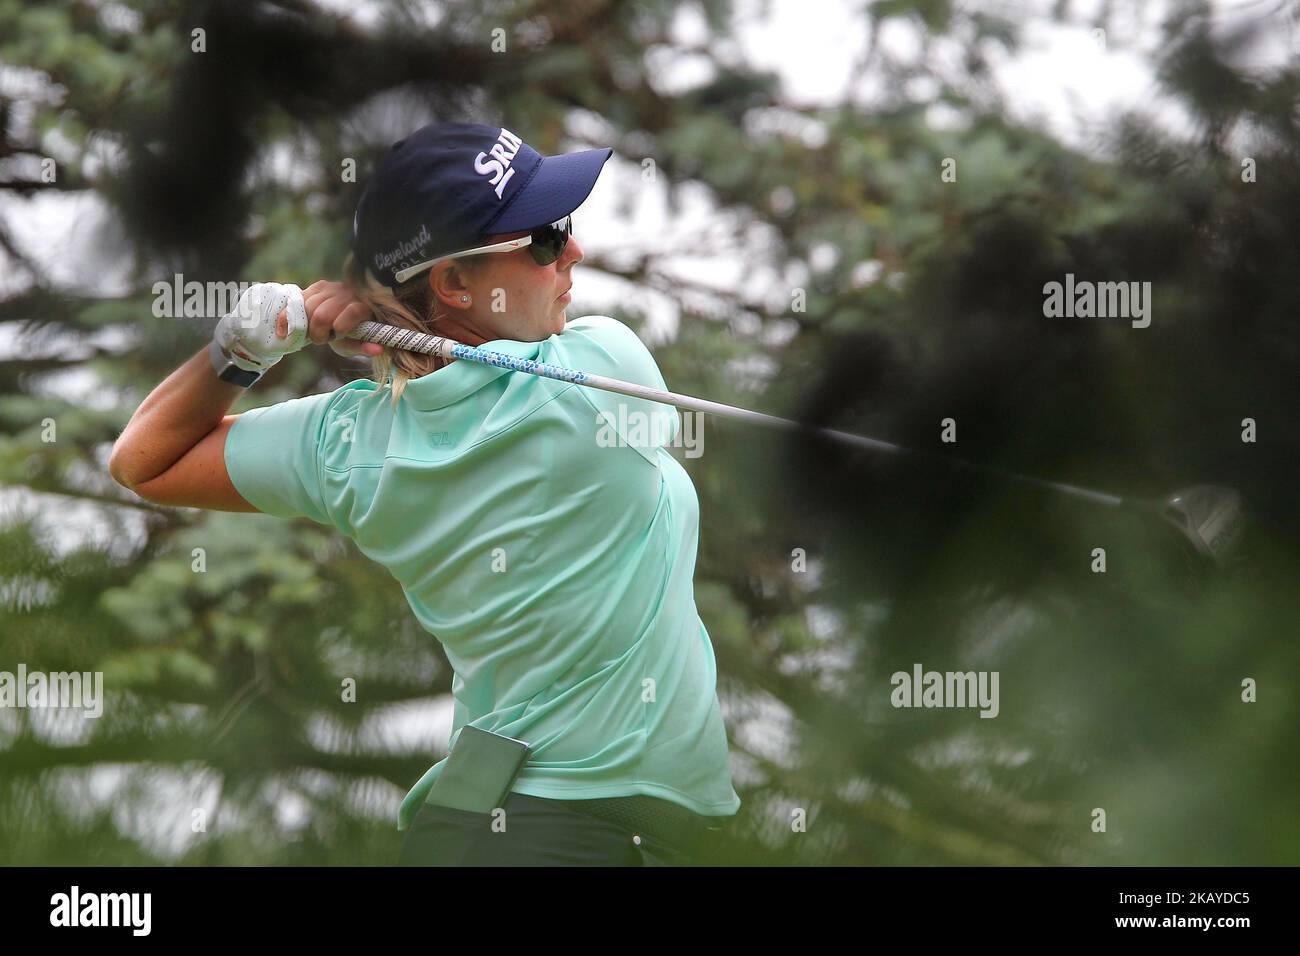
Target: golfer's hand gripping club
x=248, y=334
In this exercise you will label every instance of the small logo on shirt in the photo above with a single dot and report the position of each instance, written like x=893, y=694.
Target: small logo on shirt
x=442, y=439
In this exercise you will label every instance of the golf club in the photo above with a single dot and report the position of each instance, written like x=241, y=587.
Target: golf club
x=1209, y=516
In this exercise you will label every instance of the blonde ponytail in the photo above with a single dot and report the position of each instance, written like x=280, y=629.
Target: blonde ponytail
x=410, y=306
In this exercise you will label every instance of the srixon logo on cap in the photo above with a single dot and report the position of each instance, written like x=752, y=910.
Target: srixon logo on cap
x=502, y=155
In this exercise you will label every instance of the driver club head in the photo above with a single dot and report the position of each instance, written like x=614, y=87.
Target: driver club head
x=1209, y=516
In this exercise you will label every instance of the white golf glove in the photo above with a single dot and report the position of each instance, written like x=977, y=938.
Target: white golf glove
x=247, y=332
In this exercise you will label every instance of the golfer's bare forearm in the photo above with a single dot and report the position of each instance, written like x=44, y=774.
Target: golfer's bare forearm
x=184, y=408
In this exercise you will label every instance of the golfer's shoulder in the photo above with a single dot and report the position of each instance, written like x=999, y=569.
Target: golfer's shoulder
x=606, y=346
x=350, y=396
x=604, y=330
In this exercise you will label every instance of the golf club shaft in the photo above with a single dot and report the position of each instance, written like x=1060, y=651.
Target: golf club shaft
x=447, y=349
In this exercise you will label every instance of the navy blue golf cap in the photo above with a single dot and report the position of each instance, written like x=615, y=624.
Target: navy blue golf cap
x=448, y=186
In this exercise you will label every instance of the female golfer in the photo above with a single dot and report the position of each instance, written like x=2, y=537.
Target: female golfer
x=540, y=530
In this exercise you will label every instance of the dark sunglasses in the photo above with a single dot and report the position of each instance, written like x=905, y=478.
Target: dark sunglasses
x=548, y=243
x=545, y=244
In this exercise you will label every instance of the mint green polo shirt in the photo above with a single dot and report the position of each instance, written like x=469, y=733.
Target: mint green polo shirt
x=545, y=536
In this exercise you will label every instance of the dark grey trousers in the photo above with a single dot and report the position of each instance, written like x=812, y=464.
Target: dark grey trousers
x=537, y=832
